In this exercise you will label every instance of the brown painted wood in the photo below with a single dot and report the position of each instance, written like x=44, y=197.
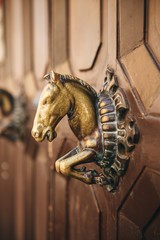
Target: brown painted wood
x=130, y=12
x=84, y=211
x=83, y=32
x=60, y=205
x=132, y=211
x=7, y=190
x=60, y=209
x=152, y=25
x=19, y=192
x=41, y=194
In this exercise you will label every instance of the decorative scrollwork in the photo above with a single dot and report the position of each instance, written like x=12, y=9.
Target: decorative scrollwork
x=119, y=130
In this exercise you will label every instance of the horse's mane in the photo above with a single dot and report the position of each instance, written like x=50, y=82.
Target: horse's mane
x=70, y=78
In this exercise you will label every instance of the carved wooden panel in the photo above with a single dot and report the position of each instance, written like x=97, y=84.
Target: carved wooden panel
x=85, y=212
x=138, y=213
x=130, y=33
x=82, y=33
x=136, y=28
x=87, y=38
x=132, y=211
x=140, y=207
x=144, y=75
x=153, y=28
x=153, y=228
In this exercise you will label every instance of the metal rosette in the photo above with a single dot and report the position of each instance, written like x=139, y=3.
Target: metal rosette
x=119, y=130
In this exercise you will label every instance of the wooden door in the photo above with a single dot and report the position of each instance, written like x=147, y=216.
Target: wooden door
x=83, y=38
x=86, y=36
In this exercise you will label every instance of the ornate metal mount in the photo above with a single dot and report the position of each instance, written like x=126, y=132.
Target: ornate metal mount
x=106, y=131
x=13, y=116
x=119, y=130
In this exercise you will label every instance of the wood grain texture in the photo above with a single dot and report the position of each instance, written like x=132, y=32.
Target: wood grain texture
x=60, y=207
x=83, y=44
x=84, y=213
x=19, y=192
x=131, y=22
x=7, y=190
x=84, y=35
x=40, y=200
x=153, y=28
x=112, y=223
x=145, y=202
x=59, y=30
x=40, y=37
x=27, y=34
x=143, y=74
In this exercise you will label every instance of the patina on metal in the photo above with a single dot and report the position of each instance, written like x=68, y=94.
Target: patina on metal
x=13, y=117
x=101, y=122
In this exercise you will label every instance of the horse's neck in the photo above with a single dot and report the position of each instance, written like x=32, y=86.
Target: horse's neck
x=83, y=119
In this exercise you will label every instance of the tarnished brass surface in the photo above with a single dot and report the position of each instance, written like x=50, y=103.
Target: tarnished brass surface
x=13, y=116
x=105, y=130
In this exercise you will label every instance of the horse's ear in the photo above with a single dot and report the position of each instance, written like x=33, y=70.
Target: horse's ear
x=50, y=77
x=47, y=77
x=53, y=77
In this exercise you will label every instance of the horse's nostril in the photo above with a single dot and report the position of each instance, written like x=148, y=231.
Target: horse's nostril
x=48, y=135
x=36, y=134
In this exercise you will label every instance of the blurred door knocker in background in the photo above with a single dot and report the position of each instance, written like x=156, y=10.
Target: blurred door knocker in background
x=13, y=116
x=101, y=122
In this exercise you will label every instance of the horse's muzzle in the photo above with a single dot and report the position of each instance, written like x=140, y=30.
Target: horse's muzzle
x=40, y=136
x=37, y=135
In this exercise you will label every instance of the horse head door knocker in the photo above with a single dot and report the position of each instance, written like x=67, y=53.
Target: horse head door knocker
x=105, y=130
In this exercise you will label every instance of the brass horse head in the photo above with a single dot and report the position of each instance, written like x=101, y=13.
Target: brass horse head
x=62, y=96
x=54, y=104
x=99, y=121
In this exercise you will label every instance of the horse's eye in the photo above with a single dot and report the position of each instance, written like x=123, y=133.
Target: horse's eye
x=45, y=102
